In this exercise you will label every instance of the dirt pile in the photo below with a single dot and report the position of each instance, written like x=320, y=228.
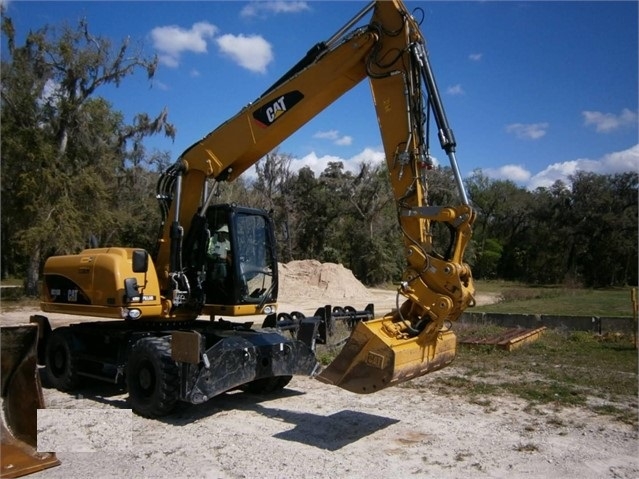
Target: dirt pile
x=310, y=279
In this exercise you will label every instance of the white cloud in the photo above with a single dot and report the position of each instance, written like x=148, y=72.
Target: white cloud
x=530, y=131
x=171, y=41
x=254, y=9
x=515, y=173
x=607, y=122
x=314, y=162
x=369, y=155
x=251, y=52
x=344, y=141
x=620, y=161
x=609, y=164
x=372, y=156
x=327, y=135
x=335, y=137
x=319, y=163
x=612, y=163
x=552, y=173
x=455, y=90
x=475, y=56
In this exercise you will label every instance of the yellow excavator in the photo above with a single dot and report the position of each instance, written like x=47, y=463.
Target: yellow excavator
x=218, y=260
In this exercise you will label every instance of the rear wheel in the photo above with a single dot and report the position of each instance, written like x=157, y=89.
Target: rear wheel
x=267, y=385
x=152, y=377
x=60, y=360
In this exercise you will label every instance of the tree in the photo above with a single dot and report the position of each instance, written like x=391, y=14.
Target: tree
x=370, y=194
x=370, y=230
x=65, y=151
x=309, y=202
x=604, y=211
x=273, y=184
x=542, y=252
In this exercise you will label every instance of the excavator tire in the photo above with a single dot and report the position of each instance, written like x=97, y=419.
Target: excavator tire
x=267, y=385
x=152, y=377
x=60, y=361
x=21, y=399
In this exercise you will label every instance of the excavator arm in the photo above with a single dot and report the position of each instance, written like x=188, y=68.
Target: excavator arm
x=390, y=51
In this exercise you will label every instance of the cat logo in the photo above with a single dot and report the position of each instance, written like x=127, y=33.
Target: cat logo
x=273, y=110
x=276, y=109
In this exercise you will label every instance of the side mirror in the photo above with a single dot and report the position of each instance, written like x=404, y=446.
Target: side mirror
x=140, y=261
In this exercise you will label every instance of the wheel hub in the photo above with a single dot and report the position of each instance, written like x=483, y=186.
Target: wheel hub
x=59, y=360
x=145, y=379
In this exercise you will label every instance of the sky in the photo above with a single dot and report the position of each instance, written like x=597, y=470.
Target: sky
x=534, y=91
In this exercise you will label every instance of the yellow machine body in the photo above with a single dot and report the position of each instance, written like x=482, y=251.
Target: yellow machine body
x=91, y=283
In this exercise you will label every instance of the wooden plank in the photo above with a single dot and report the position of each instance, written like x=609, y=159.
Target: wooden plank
x=508, y=340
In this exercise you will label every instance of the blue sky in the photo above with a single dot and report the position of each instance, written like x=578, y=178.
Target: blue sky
x=534, y=91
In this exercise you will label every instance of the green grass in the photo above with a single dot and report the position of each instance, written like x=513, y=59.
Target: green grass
x=523, y=299
x=561, y=369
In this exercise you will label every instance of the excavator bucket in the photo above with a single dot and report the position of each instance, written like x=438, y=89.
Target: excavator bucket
x=21, y=399
x=372, y=359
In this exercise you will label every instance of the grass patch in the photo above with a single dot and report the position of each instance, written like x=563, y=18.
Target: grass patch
x=522, y=299
x=543, y=392
x=627, y=415
x=563, y=369
x=467, y=386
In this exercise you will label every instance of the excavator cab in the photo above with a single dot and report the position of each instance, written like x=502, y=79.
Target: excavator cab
x=239, y=262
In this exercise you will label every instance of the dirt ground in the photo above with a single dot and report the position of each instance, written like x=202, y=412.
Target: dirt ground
x=313, y=430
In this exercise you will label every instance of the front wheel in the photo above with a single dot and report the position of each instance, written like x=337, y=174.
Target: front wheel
x=152, y=377
x=60, y=360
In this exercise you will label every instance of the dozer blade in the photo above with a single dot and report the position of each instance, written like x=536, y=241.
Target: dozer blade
x=21, y=399
x=372, y=360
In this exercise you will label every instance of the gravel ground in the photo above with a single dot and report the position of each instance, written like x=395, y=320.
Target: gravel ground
x=313, y=430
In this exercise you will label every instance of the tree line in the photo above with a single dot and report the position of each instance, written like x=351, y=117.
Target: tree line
x=581, y=232
x=75, y=174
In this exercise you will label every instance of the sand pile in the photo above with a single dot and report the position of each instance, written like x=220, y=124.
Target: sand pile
x=311, y=279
